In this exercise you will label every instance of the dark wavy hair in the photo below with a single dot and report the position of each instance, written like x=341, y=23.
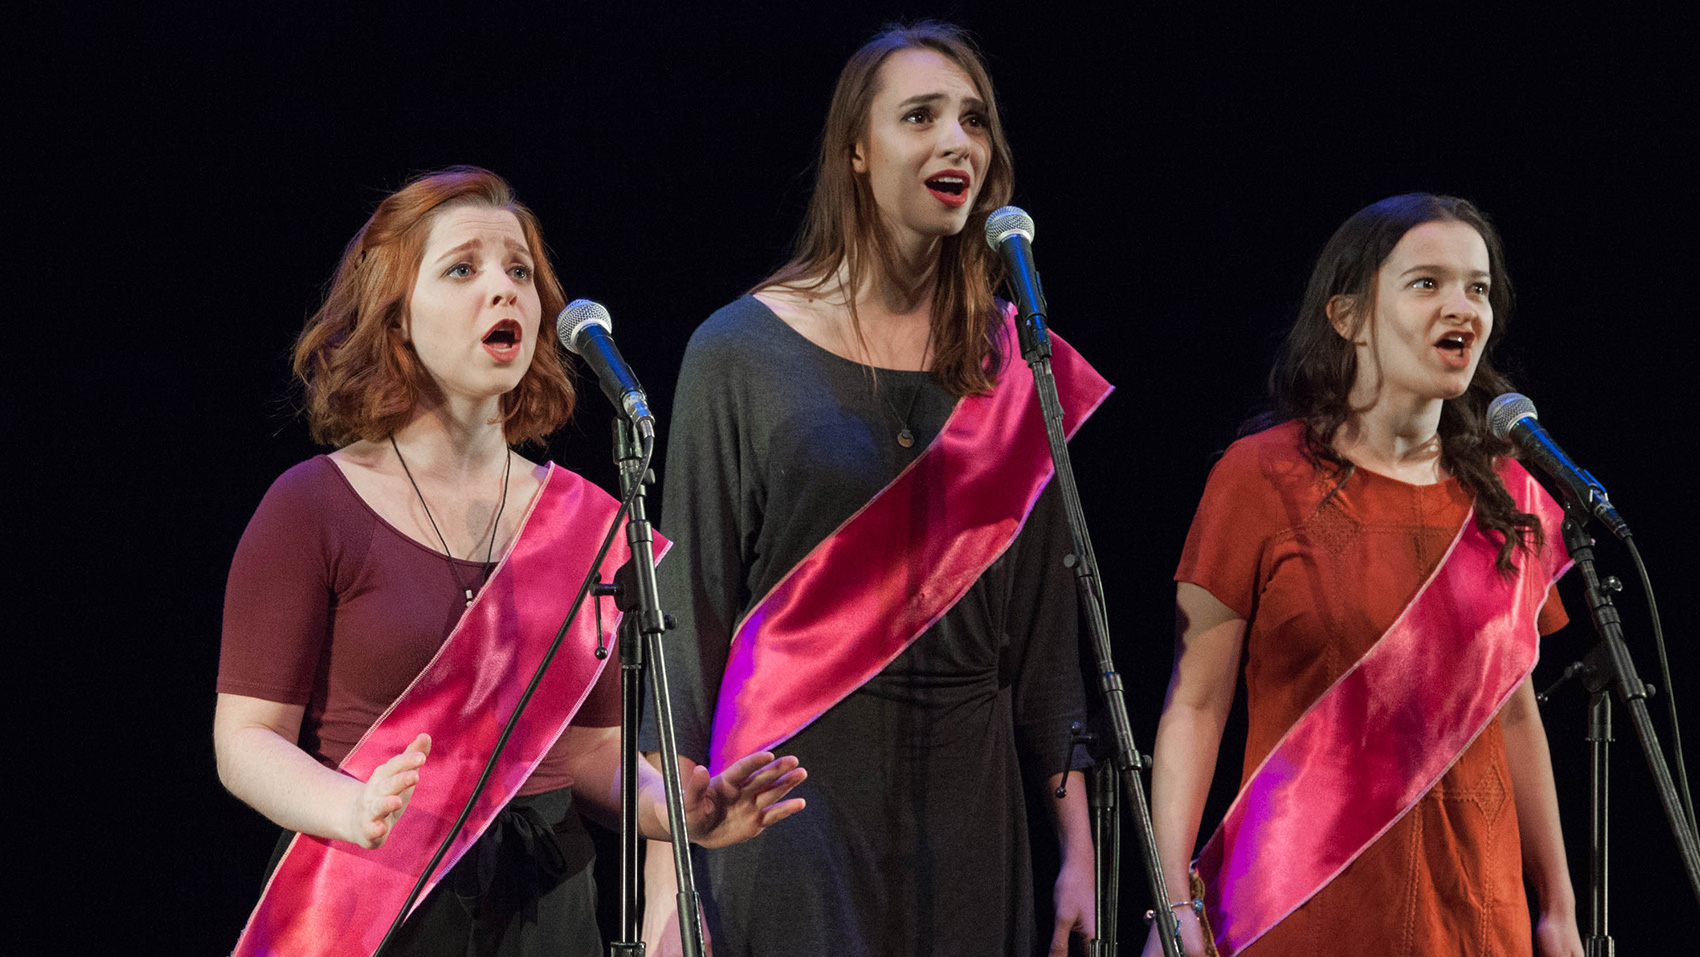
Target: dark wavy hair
x=1316, y=365
x=362, y=378
x=843, y=225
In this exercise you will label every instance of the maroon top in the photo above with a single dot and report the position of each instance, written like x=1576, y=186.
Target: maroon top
x=331, y=607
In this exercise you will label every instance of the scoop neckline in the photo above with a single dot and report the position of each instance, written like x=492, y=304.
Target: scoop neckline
x=416, y=543
x=772, y=316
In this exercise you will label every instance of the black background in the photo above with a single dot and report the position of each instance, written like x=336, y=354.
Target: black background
x=187, y=178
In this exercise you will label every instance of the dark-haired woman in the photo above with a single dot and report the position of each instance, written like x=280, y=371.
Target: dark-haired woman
x=832, y=591
x=389, y=600
x=1379, y=569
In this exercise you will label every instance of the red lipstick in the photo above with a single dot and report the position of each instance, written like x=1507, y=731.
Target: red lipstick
x=950, y=187
x=503, y=340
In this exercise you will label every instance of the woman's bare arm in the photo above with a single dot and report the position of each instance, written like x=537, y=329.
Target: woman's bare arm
x=1536, y=797
x=1208, y=639
x=259, y=762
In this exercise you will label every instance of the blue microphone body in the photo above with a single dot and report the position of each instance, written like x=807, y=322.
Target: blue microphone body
x=1010, y=231
x=1512, y=416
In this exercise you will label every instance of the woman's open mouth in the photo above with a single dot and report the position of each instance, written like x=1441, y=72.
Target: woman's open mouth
x=503, y=340
x=1454, y=348
x=949, y=188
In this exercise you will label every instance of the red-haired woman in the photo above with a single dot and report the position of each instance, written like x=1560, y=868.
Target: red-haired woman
x=343, y=698
x=834, y=432
x=1382, y=569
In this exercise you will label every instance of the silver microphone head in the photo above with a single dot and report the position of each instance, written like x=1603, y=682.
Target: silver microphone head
x=1006, y=222
x=579, y=314
x=1505, y=411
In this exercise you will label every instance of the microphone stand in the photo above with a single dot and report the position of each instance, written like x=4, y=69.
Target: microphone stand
x=1606, y=668
x=1107, y=855
x=640, y=649
x=1106, y=838
x=1036, y=350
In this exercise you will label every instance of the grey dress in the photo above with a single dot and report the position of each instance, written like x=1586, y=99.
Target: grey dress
x=915, y=837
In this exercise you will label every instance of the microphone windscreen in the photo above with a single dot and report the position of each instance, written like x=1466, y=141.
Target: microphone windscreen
x=579, y=314
x=1006, y=222
x=1503, y=412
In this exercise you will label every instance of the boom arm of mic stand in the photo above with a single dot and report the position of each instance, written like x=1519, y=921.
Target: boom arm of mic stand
x=640, y=535
x=1609, y=626
x=1090, y=586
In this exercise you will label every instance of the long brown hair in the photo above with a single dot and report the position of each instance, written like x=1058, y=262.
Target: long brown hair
x=362, y=378
x=1316, y=367
x=843, y=227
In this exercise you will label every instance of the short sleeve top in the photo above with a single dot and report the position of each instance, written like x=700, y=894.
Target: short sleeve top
x=1320, y=568
x=330, y=607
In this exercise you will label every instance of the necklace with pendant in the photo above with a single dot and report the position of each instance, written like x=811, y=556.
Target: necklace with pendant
x=905, y=437
x=507, y=465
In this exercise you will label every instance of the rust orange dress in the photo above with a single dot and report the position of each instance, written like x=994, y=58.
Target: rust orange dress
x=1320, y=569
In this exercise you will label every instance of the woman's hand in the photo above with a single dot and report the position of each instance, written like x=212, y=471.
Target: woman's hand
x=1193, y=943
x=741, y=801
x=1075, y=896
x=258, y=760
x=383, y=799
x=1536, y=797
x=1556, y=936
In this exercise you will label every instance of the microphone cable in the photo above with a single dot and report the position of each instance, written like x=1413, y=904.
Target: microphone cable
x=1670, y=689
x=1505, y=414
x=591, y=578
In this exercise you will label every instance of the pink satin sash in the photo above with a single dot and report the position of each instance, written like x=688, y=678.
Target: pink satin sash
x=896, y=566
x=334, y=898
x=1385, y=733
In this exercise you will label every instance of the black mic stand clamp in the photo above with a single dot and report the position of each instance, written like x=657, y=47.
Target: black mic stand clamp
x=1605, y=669
x=1031, y=328
x=1106, y=837
x=641, y=650
x=1036, y=351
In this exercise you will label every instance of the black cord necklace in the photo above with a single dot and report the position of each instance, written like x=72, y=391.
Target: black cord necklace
x=495, y=526
x=905, y=437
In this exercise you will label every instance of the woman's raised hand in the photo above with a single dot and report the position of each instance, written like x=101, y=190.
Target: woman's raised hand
x=387, y=791
x=741, y=801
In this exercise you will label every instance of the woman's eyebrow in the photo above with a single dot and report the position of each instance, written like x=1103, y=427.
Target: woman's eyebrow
x=1473, y=274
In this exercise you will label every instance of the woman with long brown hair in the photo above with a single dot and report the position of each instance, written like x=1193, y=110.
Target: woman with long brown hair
x=1379, y=569
x=831, y=595
x=389, y=600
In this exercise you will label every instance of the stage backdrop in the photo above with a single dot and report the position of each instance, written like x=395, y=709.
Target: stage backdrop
x=184, y=180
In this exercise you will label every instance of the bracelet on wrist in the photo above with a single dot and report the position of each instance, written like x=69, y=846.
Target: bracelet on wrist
x=1194, y=905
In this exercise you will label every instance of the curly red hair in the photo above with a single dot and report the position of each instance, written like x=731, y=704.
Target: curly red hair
x=362, y=379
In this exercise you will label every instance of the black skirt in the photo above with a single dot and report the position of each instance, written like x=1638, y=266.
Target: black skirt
x=525, y=889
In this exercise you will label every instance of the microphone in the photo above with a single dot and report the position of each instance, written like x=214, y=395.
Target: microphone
x=587, y=330
x=1010, y=231
x=1512, y=416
